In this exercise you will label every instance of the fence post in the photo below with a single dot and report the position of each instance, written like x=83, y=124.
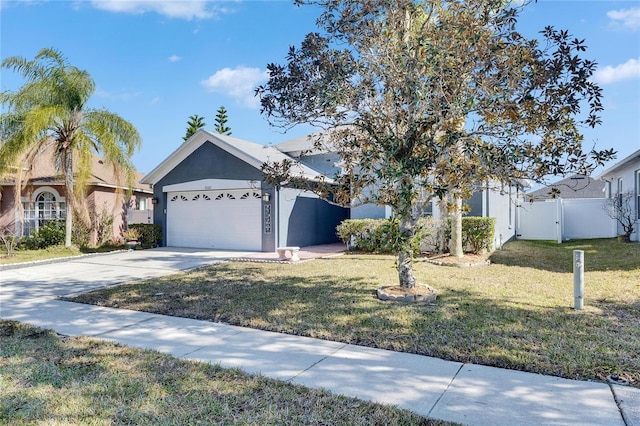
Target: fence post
x=578, y=279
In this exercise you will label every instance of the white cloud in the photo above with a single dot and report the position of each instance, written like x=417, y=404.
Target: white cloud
x=174, y=58
x=626, y=71
x=183, y=9
x=238, y=83
x=628, y=18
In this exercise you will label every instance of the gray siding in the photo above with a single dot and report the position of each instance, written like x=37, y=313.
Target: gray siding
x=313, y=221
x=206, y=162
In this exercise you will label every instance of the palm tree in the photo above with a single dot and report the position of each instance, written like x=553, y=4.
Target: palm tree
x=50, y=108
x=195, y=122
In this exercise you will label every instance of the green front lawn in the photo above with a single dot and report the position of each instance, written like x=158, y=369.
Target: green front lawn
x=516, y=313
x=53, y=252
x=45, y=379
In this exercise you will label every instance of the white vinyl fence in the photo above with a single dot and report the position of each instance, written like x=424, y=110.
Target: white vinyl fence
x=559, y=220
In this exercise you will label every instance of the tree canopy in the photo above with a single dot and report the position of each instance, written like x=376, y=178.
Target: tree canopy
x=433, y=98
x=195, y=122
x=51, y=108
x=221, y=121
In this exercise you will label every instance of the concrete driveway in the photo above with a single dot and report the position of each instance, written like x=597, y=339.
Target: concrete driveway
x=84, y=273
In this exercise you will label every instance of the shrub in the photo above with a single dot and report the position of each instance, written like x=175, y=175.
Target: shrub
x=383, y=235
x=376, y=235
x=9, y=240
x=50, y=234
x=477, y=233
x=150, y=234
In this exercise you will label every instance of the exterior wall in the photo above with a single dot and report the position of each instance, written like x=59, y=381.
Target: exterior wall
x=629, y=176
x=7, y=209
x=305, y=220
x=206, y=162
x=325, y=163
x=502, y=205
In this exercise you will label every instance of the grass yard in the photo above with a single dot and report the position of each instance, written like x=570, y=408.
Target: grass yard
x=45, y=379
x=53, y=252
x=516, y=313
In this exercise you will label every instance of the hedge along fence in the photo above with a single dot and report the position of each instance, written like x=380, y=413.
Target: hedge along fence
x=383, y=235
x=150, y=234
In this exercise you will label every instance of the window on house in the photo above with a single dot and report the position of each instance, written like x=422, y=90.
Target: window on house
x=619, y=193
x=141, y=204
x=43, y=208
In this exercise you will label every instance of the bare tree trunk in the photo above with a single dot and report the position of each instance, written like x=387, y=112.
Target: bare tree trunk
x=405, y=254
x=455, y=246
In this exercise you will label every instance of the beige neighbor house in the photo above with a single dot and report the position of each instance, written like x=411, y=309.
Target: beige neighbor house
x=43, y=196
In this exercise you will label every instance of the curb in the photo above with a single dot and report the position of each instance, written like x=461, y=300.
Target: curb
x=21, y=265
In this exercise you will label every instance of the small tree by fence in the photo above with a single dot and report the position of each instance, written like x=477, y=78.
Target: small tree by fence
x=621, y=209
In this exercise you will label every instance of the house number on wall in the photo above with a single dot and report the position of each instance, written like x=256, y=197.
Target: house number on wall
x=267, y=218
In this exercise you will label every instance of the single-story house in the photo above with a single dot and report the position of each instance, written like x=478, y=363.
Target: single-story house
x=43, y=196
x=210, y=193
x=624, y=178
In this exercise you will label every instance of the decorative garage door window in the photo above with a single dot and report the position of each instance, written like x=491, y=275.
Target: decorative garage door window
x=220, y=196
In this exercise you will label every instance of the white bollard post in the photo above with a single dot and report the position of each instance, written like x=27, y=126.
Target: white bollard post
x=578, y=279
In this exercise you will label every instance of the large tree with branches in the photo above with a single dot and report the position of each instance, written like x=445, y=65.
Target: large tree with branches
x=51, y=108
x=432, y=98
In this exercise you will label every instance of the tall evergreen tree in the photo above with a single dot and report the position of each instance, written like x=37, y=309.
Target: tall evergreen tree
x=221, y=122
x=51, y=108
x=195, y=122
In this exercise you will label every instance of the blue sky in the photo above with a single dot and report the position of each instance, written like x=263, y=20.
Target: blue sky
x=155, y=63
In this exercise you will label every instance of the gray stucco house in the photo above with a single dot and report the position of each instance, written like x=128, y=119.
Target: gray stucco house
x=210, y=193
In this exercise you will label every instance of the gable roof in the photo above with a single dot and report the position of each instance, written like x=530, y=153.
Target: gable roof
x=635, y=156
x=575, y=186
x=43, y=171
x=252, y=153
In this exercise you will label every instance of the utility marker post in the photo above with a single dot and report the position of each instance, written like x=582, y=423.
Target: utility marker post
x=578, y=279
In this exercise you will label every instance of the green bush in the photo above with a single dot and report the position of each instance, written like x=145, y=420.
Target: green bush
x=477, y=233
x=52, y=233
x=383, y=235
x=377, y=235
x=150, y=234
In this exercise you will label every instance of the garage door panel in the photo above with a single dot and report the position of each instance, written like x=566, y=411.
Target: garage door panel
x=229, y=219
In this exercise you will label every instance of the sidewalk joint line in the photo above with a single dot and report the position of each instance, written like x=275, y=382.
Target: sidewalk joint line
x=123, y=327
x=445, y=390
x=318, y=362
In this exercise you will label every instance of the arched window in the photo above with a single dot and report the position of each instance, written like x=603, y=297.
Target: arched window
x=46, y=206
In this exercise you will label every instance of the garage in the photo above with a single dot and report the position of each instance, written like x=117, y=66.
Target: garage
x=228, y=219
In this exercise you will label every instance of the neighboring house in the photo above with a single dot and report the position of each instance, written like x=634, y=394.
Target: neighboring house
x=576, y=186
x=211, y=193
x=43, y=196
x=622, y=178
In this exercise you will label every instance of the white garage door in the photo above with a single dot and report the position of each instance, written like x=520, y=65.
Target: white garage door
x=225, y=219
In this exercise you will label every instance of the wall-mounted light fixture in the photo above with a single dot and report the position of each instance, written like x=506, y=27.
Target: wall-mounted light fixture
x=154, y=200
x=266, y=197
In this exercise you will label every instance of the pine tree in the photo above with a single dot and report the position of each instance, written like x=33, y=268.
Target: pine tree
x=221, y=122
x=195, y=122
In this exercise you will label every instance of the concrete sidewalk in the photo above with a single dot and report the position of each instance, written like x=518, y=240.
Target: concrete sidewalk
x=465, y=393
